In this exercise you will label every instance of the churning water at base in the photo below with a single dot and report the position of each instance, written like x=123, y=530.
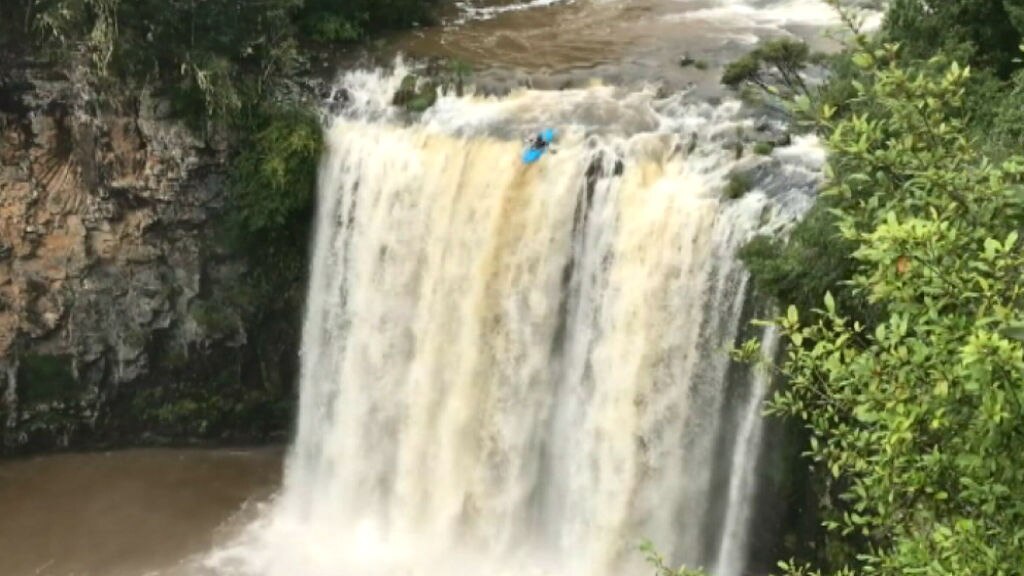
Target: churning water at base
x=513, y=369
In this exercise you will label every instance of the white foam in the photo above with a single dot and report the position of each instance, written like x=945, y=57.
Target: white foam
x=775, y=16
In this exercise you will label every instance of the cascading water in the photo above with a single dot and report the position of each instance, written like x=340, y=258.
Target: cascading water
x=731, y=557
x=523, y=370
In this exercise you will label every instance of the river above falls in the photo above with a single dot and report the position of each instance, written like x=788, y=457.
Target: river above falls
x=553, y=44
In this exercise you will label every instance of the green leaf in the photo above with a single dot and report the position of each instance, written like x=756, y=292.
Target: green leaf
x=792, y=315
x=863, y=60
x=864, y=414
x=830, y=303
x=992, y=247
x=1014, y=332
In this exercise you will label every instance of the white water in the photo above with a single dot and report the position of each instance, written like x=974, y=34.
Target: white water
x=742, y=481
x=522, y=370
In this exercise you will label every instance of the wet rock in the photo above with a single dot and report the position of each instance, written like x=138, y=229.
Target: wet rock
x=735, y=145
x=406, y=91
x=336, y=100
x=415, y=94
x=773, y=132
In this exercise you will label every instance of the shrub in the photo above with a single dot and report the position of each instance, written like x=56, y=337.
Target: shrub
x=775, y=66
x=214, y=318
x=985, y=33
x=1006, y=130
x=915, y=418
x=814, y=259
x=274, y=177
x=738, y=184
x=215, y=56
x=46, y=378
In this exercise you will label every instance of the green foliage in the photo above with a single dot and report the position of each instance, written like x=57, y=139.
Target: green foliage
x=274, y=177
x=218, y=407
x=215, y=57
x=273, y=185
x=816, y=259
x=738, y=184
x=415, y=94
x=272, y=190
x=422, y=101
x=742, y=70
x=813, y=260
x=775, y=67
x=919, y=418
x=985, y=32
x=214, y=318
x=342, y=21
x=839, y=92
x=333, y=28
x=792, y=568
x=932, y=37
x=1007, y=125
x=459, y=72
x=46, y=378
x=660, y=567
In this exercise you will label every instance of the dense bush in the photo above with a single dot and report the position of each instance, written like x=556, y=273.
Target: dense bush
x=920, y=419
x=775, y=66
x=220, y=408
x=273, y=186
x=737, y=185
x=986, y=32
x=904, y=360
x=814, y=259
x=348, y=20
x=991, y=109
x=274, y=175
x=44, y=378
x=1006, y=128
x=215, y=57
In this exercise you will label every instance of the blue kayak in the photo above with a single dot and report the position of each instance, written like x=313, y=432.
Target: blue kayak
x=532, y=154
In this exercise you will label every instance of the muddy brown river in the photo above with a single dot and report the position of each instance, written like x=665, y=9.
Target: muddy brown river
x=124, y=513
x=561, y=43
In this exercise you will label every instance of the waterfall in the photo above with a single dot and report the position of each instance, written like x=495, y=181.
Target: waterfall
x=732, y=551
x=513, y=369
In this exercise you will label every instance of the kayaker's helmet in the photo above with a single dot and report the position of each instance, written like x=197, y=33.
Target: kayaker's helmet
x=548, y=135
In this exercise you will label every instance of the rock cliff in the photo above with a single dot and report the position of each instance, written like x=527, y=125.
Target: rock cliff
x=123, y=311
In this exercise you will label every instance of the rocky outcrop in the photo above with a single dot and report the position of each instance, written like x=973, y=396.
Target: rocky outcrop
x=118, y=311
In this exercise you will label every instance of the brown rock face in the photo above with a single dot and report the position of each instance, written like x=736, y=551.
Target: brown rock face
x=107, y=252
